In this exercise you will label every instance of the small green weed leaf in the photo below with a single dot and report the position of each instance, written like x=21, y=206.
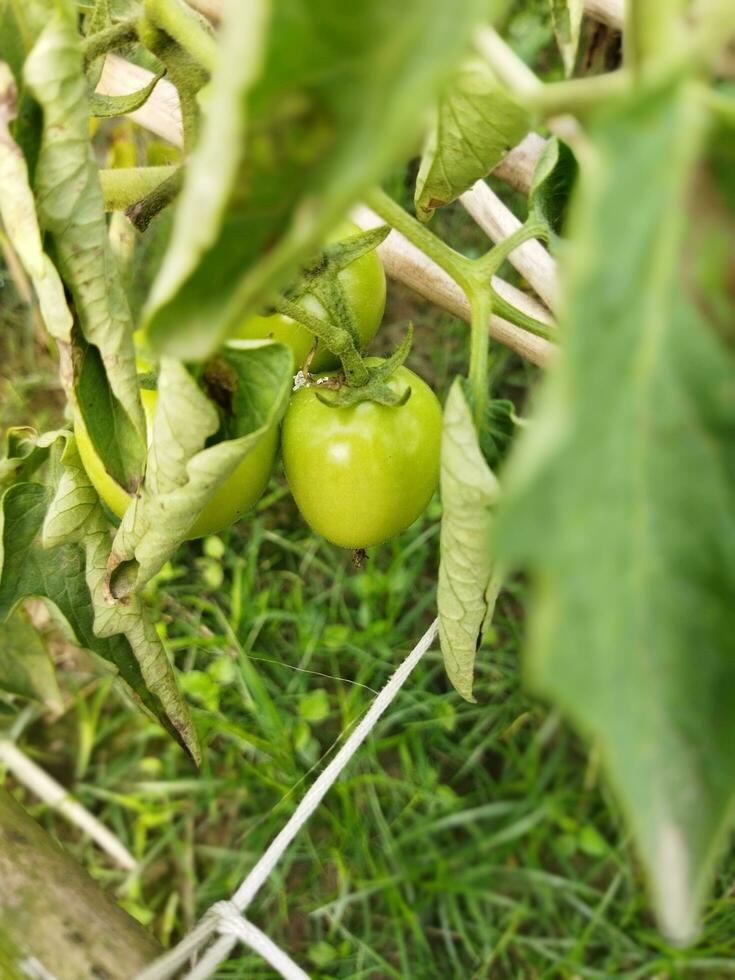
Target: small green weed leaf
x=468, y=587
x=621, y=502
x=71, y=210
x=306, y=112
x=254, y=379
x=314, y=706
x=18, y=213
x=26, y=669
x=566, y=16
x=477, y=122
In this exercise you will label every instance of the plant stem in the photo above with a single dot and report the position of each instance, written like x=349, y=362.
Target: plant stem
x=457, y=266
x=481, y=306
x=108, y=39
x=335, y=338
x=145, y=210
x=488, y=264
x=512, y=314
x=579, y=95
x=124, y=186
x=509, y=68
x=186, y=27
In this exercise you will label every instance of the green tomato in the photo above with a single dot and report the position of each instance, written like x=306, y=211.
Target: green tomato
x=363, y=473
x=233, y=498
x=363, y=282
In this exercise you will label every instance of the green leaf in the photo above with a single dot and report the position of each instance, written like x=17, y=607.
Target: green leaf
x=477, y=123
x=25, y=451
x=26, y=669
x=18, y=213
x=75, y=517
x=552, y=184
x=566, y=16
x=20, y=25
x=621, y=501
x=498, y=431
x=182, y=474
x=468, y=585
x=71, y=209
x=305, y=113
x=104, y=106
x=57, y=549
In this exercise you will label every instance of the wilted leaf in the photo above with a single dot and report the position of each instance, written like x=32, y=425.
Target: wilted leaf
x=65, y=569
x=18, y=213
x=75, y=516
x=621, y=501
x=477, y=124
x=467, y=586
x=71, y=209
x=182, y=475
x=293, y=146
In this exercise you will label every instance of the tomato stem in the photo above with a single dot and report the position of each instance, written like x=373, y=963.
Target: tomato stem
x=124, y=186
x=188, y=28
x=481, y=307
x=489, y=263
x=108, y=39
x=336, y=338
x=459, y=267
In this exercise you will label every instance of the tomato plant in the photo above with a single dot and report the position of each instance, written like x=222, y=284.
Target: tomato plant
x=363, y=282
x=612, y=488
x=362, y=473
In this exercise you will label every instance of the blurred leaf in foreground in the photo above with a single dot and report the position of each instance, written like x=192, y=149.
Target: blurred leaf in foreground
x=621, y=502
x=306, y=111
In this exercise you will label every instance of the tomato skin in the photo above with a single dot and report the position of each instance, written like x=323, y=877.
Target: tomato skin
x=362, y=474
x=363, y=282
x=233, y=498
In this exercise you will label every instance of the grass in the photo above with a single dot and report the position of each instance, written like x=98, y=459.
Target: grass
x=465, y=840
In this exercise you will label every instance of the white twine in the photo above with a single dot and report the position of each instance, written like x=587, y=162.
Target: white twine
x=225, y=918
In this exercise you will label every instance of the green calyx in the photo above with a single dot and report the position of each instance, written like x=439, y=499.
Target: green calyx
x=338, y=330
x=336, y=394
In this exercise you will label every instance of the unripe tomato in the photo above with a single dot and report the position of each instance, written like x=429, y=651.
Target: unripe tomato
x=364, y=473
x=363, y=282
x=233, y=498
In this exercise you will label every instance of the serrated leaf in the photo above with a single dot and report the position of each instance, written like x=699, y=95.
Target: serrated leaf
x=71, y=209
x=26, y=669
x=65, y=569
x=18, y=213
x=621, y=501
x=182, y=475
x=468, y=586
x=314, y=141
x=477, y=123
x=566, y=16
